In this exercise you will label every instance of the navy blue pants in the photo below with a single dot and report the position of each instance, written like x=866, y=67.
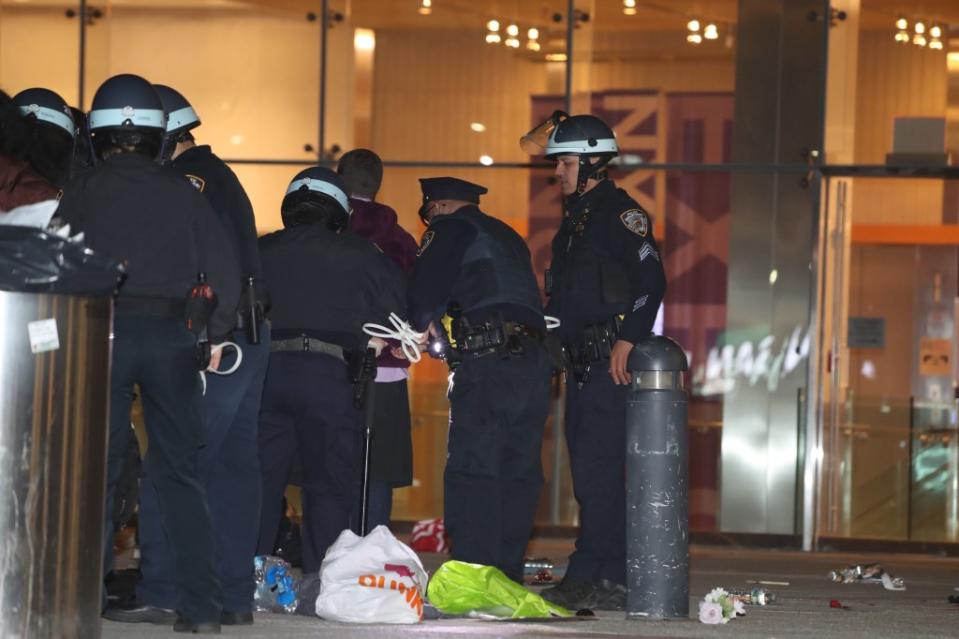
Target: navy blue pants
x=494, y=473
x=308, y=410
x=229, y=473
x=596, y=439
x=159, y=355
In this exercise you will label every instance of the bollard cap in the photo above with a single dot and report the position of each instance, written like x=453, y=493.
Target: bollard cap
x=657, y=353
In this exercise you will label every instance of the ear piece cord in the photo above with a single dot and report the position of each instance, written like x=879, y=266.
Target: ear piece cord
x=228, y=371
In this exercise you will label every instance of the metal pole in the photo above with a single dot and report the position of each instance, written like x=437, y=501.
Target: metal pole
x=367, y=456
x=657, y=501
x=570, y=18
x=324, y=27
x=83, y=53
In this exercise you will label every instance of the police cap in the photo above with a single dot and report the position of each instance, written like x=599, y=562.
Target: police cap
x=450, y=188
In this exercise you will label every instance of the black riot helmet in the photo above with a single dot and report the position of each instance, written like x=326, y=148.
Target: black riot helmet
x=584, y=135
x=127, y=113
x=46, y=106
x=49, y=133
x=180, y=114
x=316, y=195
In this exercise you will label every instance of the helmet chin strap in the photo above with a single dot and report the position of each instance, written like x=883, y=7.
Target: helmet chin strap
x=589, y=170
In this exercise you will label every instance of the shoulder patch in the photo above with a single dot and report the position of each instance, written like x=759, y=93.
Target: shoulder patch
x=636, y=221
x=425, y=242
x=198, y=183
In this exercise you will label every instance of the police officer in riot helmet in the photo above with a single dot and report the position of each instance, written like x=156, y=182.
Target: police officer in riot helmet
x=473, y=285
x=325, y=283
x=175, y=251
x=605, y=284
x=51, y=134
x=228, y=459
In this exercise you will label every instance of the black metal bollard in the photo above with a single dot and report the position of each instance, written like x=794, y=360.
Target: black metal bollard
x=657, y=500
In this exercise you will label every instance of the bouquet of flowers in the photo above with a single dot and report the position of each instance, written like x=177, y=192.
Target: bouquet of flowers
x=719, y=607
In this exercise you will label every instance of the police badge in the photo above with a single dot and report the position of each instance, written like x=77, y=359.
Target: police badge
x=636, y=221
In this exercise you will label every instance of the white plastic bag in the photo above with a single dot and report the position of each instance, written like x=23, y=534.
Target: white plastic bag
x=372, y=579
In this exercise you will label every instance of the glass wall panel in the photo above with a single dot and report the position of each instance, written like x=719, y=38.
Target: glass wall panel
x=39, y=46
x=434, y=89
x=891, y=462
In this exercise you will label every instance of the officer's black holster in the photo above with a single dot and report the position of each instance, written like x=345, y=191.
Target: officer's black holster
x=594, y=344
x=504, y=338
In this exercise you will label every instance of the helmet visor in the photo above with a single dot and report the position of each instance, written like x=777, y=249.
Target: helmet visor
x=534, y=142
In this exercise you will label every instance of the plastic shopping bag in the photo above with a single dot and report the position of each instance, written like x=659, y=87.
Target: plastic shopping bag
x=459, y=588
x=372, y=579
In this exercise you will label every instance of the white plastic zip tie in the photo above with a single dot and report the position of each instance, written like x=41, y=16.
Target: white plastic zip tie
x=229, y=371
x=401, y=331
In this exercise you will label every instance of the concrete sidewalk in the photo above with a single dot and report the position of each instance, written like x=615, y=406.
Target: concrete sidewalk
x=802, y=609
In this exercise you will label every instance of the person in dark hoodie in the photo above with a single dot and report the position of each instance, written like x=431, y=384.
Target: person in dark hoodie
x=392, y=450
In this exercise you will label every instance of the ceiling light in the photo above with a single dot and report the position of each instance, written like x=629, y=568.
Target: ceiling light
x=936, y=31
x=493, y=25
x=512, y=43
x=935, y=44
x=479, y=127
x=486, y=160
x=533, y=45
x=920, y=27
x=919, y=40
x=629, y=7
x=556, y=57
x=364, y=40
x=902, y=23
x=693, y=25
x=711, y=32
x=694, y=38
x=902, y=37
x=512, y=30
x=426, y=7
x=533, y=33
x=492, y=38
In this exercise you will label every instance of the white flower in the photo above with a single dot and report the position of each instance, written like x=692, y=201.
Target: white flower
x=711, y=613
x=715, y=595
x=739, y=608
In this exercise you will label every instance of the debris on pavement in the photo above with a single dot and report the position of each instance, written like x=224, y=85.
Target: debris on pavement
x=719, y=606
x=275, y=585
x=754, y=596
x=871, y=573
x=835, y=603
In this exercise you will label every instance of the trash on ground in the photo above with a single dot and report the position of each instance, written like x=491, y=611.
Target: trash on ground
x=459, y=588
x=763, y=582
x=954, y=599
x=754, y=596
x=371, y=579
x=275, y=585
x=835, y=603
x=538, y=571
x=430, y=535
x=872, y=573
x=719, y=606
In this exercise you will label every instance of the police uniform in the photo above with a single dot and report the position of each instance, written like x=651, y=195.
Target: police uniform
x=228, y=462
x=476, y=270
x=146, y=215
x=323, y=287
x=606, y=282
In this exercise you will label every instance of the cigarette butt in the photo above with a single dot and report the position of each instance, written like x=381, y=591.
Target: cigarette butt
x=767, y=583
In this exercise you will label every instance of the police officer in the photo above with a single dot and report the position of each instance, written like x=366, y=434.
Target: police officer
x=324, y=284
x=473, y=281
x=50, y=134
x=605, y=285
x=228, y=462
x=166, y=233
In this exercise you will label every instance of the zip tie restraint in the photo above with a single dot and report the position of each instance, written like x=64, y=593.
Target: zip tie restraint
x=229, y=371
x=408, y=338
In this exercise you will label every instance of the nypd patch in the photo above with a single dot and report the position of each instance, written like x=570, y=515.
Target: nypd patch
x=636, y=221
x=425, y=242
x=198, y=183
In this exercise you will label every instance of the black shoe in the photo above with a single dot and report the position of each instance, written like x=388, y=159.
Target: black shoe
x=229, y=618
x=608, y=595
x=570, y=594
x=140, y=614
x=202, y=628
